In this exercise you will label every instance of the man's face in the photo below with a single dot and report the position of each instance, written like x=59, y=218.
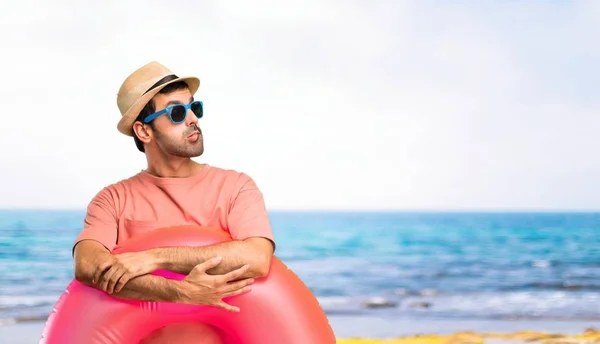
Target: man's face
x=183, y=139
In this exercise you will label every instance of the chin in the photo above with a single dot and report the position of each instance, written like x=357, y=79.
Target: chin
x=198, y=153
x=196, y=149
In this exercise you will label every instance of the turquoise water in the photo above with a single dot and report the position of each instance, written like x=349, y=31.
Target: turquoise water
x=435, y=265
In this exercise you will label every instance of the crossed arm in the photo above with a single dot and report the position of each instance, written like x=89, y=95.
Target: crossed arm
x=127, y=275
x=255, y=251
x=89, y=258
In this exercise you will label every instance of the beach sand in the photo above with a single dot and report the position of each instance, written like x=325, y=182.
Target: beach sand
x=375, y=330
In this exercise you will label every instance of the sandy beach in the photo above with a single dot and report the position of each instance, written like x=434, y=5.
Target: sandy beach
x=382, y=330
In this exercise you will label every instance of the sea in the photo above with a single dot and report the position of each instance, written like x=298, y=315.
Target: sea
x=416, y=265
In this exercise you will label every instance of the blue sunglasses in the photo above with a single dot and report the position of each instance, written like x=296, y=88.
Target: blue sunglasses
x=178, y=112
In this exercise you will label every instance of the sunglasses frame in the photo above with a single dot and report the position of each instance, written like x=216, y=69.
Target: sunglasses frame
x=170, y=108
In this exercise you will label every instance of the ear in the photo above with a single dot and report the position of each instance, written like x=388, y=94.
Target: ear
x=143, y=132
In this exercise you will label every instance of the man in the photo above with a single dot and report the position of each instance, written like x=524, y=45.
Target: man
x=159, y=111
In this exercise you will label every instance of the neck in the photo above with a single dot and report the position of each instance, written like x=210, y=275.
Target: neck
x=172, y=167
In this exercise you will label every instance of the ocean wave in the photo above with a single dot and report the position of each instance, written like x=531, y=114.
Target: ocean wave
x=19, y=301
x=491, y=305
x=15, y=320
x=565, y=286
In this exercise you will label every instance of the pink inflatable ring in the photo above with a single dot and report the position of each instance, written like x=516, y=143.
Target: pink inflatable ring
x=280, y=309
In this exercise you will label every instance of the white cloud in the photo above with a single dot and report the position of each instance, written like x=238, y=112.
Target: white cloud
x=414, y=104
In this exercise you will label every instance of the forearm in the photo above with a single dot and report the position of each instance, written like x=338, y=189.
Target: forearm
x=146, y=288
x=89, y=255
x=151, y=288
x=234, y=254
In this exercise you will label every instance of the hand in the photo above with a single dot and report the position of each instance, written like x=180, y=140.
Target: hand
x=113, y=274
x=205, y=289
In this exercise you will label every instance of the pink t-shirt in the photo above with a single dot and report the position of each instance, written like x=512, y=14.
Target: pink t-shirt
x=213, y=197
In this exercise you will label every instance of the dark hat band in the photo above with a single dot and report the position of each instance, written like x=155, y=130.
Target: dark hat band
x=162, y=81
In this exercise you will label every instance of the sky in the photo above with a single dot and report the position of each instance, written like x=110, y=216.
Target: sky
x=327, y=105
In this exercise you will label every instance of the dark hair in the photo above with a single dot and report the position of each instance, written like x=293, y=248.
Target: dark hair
x=150, y=108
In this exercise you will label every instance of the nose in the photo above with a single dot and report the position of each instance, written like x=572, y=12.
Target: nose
x=191, y=119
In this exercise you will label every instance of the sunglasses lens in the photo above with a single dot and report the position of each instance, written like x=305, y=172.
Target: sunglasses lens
x=178, y=113
x=197, y=109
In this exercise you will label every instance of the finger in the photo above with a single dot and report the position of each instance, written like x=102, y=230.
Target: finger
x=114, y=279
x=122, y=281
x=236, y=292
x=207, y=265
x=227, y=307
x=105, y=278
x=235, y=274
x=237, y=285
x=100, y=270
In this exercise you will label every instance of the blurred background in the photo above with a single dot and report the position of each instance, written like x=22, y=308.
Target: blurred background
x=428, y=166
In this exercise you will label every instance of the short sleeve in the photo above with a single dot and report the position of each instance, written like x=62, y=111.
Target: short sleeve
x=100, y=223
x=248, y=214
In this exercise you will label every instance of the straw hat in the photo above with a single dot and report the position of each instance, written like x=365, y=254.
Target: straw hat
x=140, y=86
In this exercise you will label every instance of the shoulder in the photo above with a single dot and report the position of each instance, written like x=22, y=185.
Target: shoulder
x=243, y=193
x=230, y=175
x=112, y=197
x=126, y=183
x=235, y=179
x=115, y=189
